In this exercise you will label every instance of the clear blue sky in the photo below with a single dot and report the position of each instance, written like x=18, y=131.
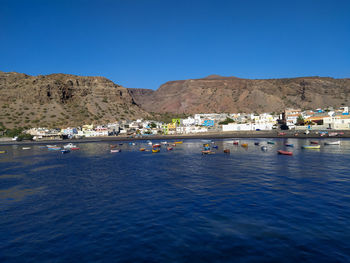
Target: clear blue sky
x=144, y=43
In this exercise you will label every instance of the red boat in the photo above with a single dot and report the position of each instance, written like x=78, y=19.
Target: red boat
x=169, y=148
x=235, y=143
x=74, y=148
x=313, y=142
x=284, y=152
x=156, y=145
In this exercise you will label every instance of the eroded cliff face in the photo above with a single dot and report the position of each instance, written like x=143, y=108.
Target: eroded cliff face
x=61, y=100
x=231, y=94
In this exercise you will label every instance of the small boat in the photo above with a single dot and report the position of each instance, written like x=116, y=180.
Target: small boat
x=26, y=148
x=332, y=134
x=289, y=145
x=314, y=142
x=149, y=143
x=2, y=151
x=179, y=142
x=142, y=149
x=113, y=146
x=208, y=152
x=155, y=150
x=50, y=146
x=54, y=148
x=156, y=145
x=69, y=145
x=75, y=148
x=270, y=142
x=173, y=144
x=256, y=143
x=169, y=148
x=116, y=150
x=120, y=144
x=245, y=145
x=235, y=142
x=215, y=147
x=310, y=147
x=206, y=145
x=264, y=148
x=132, y=143
x=227, y=151
x=164, y=143
x=332, y=143
x=65, y=151
x=284, y=152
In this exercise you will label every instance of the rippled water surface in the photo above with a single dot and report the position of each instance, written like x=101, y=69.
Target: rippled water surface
x=177, y=206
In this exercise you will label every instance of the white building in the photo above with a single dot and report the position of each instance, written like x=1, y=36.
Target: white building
x=247, y=126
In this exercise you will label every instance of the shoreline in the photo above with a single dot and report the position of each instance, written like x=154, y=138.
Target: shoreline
x=222, y=135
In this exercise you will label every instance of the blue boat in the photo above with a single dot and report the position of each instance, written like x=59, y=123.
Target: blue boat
x=215, y=147
x=65, y=151
x=256, y=143
x=289, y=145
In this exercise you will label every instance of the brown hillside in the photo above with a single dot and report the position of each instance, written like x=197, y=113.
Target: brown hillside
x=230, y=94
x=59, y=100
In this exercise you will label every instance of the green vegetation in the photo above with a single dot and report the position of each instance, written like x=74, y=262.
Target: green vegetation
x=227, y=121
x=300, y=120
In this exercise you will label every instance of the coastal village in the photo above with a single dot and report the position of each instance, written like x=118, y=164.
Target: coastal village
x=290, y=119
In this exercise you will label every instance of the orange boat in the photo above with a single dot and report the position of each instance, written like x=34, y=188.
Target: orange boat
x=245, y=145
x=284, y=152
x=142, y=149
x=227, y=151
x=179, y=142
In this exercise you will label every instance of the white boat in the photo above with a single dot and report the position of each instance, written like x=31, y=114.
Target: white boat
x=26, y=148
x=164, y=143
x=69, y=145
x=332, y=143
x=149, y=143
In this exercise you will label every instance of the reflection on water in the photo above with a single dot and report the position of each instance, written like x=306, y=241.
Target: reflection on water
x=176, y=206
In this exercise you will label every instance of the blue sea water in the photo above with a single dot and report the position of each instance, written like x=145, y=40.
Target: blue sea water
x=178, y=206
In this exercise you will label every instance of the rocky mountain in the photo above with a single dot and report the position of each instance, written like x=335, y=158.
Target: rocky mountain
x=230, y=94
x=60, y=99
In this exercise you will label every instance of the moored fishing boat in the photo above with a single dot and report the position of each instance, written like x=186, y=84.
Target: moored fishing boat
x=54, y=148
x=264, y=148
x=169, y=148
x=270, y=142
x=311, y=147
x=164, y=143
x=65, y=151
x=2, y=151
x=314, y=142
x=69, y=145
x=157, y=145
x=215, y=147
x=179, y=142
x=208, y=152
x=256, y=143
x=289, y=145
x=75, y=148
x=227, y=151
x=155, y=150
x=142, y=149
x=245, y=145
x=235, y=142
x=332, y=143
x=26, y=148
x=116, y=150
x=284, y=152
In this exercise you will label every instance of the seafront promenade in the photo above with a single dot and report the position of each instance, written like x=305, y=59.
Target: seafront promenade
x=209, y=135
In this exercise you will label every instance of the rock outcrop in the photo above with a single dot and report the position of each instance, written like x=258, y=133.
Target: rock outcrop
x=61, y=100
x=230, y=94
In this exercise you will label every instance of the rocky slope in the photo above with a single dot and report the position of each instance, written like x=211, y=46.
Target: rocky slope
x=230, y=94
x=58, y=100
